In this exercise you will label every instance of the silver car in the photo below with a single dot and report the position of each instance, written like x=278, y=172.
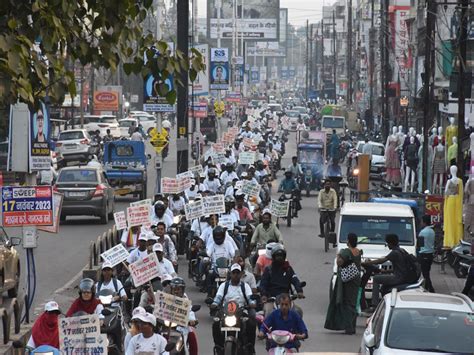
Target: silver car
x=86, y=192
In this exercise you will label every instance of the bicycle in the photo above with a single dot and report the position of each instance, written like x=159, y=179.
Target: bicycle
x=324, y=212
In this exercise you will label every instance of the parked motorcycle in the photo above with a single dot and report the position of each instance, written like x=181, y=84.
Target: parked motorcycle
x=462, y=258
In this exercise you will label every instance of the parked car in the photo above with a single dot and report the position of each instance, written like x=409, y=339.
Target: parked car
x=125, y=124
x=377, y=166
x=74, y=145
x=92, y=123
x=415, y=322
x=9, y=264
x=86, y=192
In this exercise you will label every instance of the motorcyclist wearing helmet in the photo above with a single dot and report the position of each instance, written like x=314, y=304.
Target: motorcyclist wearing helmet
x=219, y=248
x=177, y=288
x=266, y=231
x=160, y=215
x=228, y=174
x=212, y=183
x=86, y=302
x=278, y=278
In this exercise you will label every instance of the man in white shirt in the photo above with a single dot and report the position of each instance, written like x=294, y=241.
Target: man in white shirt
x=109, y=282
x=137, y=136
x=240, y=293
x=140, y=252
x=166, y=267
x=147, y=342
x=46, y=177
x=168, y=245
x=212, y=183
x=160, y=215
x=228, y=174
x=176, y=204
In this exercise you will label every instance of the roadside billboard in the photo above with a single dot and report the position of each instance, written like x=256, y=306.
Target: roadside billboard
x=40, y=153
x=152, y=101
x=200, y=86
x=106, y=101
x=258, y=22
x=219, y=69
x=27, y=206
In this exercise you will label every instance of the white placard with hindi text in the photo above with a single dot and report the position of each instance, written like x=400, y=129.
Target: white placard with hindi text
x=145, y=269
x=120, y=220
x=115, y=255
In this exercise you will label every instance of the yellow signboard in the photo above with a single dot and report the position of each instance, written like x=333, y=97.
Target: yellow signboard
x=219, y=108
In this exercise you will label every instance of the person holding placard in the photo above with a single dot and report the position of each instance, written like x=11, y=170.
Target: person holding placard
x=168, y=245
x=166, y=266
x=139, y=252
x=160, y=215
x=212, y=183
x=86, y=302
x=147, y=342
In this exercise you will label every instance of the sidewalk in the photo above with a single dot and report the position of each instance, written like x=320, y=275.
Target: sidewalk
x=445, y=281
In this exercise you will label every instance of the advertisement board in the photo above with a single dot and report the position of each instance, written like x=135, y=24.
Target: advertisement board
x=106, y=101
x=40, y=129
x=27, y=206
x=152, y=101
x=258, y=21
x=283, y=25
x=254, y=75
x=219, y=72
x=57, y=205
x=200, y=86
x=267, y=49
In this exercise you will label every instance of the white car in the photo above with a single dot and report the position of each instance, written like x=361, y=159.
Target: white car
x=92, y=123
x=125, y=124
x=293, y=116
x=377, y=166
x=147, y=120
x=415, y=322
x=74, y=145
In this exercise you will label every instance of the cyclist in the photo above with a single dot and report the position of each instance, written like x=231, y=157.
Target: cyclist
x=327, y=204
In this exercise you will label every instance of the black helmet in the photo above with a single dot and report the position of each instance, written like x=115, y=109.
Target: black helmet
x=277, y=250
x=177, y=282
x=160, y=205
x=218, y=234
x=87, y=285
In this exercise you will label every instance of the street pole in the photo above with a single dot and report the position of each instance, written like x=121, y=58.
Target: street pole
x=335, y=55
x=461, y=95
x=322, y=60
x=386, y=65
x=182, y=105
x=159, y=155
x=371, y=59
x=349, y=54
x=307, y=59
x=429, y=39
x=81, y=101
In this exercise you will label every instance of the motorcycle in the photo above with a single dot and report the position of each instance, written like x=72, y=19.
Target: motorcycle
x=292, y=212
x=43, y=349
x=114, y=325
x=462, y=258
x=222, y=271
x=177, y=335
x=232, y=318
x=308, y=180
x=178, y=232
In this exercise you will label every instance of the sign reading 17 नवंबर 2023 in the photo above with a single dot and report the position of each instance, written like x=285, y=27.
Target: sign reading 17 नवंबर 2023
x=27, y=206
x=81, y=335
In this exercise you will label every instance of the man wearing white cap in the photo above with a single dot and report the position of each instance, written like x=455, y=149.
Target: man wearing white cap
x=140, y=252
x=147, y=342
x=166, y=266
x=239, y=292
x=134, y=326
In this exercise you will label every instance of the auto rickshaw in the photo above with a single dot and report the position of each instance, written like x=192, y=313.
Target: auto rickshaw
x=311, y=149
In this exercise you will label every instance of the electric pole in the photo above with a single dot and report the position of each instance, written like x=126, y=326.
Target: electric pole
x=349, y=53
x=182, y=104
x=371, y=60
x=307, y=59
x=322, y=89
x=461, y=94
x=429, y=40
x=335, y=55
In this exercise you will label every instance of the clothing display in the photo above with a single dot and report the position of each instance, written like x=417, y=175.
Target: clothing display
x=453, y=229
x=392, y=160
x=429, y=170
x=437, y=140
x=411, y=156
x=469, y=204
x=452, y=154
x=439, y=161
x=451, y=131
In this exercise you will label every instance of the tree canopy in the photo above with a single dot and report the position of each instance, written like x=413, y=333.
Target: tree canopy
x=40, y=39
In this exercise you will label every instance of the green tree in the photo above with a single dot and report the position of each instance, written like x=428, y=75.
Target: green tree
x=39, y=38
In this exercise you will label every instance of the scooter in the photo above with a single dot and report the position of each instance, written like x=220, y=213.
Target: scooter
x=114, y=325
x=281, y=338
x=43, y=349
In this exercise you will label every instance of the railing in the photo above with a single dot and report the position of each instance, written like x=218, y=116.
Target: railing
x=104, y=242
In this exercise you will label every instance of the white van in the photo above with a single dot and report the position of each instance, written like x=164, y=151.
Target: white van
x=328, y=123
x=371, y=222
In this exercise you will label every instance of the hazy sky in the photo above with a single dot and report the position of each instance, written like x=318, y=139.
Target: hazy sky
x=298, y=10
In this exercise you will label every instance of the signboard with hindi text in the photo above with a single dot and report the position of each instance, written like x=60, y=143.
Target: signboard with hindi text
x=138, y=215
x=172, y=308
x=250, y=188
x=145, y=269
x=57, y=205
x=247, y=158
x=120, y=220
x=279, y=208
x=214, y=204
x=81, y=335
x=115, y=255
x=193, y=210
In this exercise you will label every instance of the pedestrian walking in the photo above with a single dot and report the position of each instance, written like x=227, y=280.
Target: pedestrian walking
x=342, y=314
x=425, y=247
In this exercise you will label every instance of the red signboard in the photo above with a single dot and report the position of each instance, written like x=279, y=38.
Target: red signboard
x=434, y=208
x=106, y=101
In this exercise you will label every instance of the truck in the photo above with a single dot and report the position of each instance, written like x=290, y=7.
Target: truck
x=125, y=164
